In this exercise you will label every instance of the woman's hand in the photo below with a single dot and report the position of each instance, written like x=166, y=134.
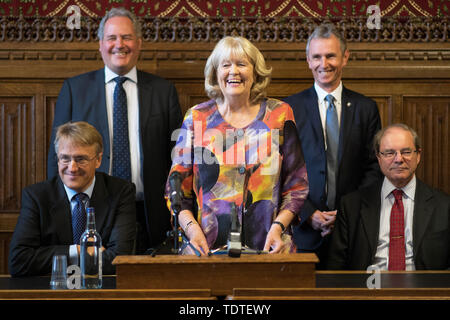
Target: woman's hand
x=274, y=240
x=197, y=238
x=193, y=232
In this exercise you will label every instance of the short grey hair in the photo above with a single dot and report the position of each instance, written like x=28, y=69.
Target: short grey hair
x=380, y=134
x=325, y=31
x=119, y=12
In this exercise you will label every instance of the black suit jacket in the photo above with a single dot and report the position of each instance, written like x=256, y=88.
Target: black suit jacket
x=354, y=240
x=44, y=227
x=357, y=163
x=82, y=98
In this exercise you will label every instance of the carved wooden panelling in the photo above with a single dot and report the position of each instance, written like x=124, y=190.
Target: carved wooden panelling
x=385, y=108
x=403, y=67
x=190, y=93
x=4, y=251
x=50, y=103
x=429, y=117
x=210, y=29
x=17, y=143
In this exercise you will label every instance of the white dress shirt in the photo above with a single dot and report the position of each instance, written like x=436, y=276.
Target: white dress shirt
x=323, y=105
x=387, y=201
x=73, y=252
x=131, y=90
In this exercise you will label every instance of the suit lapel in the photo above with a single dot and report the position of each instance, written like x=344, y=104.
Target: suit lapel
x=423, y=209
x=145, y=96
x=62, y=215
x=100, y=120
x=99, y=201
x=347, y=115
x=370, y=215
x=314, y=115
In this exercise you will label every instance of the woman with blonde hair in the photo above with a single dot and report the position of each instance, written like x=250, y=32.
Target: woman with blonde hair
x=239, y=154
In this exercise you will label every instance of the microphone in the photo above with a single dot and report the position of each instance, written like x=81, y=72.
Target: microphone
x=234, y=241
x=175, y=192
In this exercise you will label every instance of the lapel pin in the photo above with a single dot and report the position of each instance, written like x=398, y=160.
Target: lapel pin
x=349, y=104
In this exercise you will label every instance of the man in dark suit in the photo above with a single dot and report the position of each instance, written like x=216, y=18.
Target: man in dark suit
x=336, y=127
x=47, y=218
x=153, y=112
x=398, y=223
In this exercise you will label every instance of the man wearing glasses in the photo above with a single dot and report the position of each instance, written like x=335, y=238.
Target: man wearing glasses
x=53, y=214
x=399, y=223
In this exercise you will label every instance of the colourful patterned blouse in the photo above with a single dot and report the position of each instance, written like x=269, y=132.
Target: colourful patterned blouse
x=260, y=165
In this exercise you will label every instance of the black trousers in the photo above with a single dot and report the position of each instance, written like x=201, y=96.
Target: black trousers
x=141, y=229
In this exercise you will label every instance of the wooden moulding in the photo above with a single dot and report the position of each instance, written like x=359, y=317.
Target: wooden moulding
x=220, y=273
x=340, y=294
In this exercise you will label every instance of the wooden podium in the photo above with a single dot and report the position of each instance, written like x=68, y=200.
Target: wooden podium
x=219, y=273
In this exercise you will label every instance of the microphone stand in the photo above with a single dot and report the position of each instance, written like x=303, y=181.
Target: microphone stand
x=176, y=233
x=173, y=235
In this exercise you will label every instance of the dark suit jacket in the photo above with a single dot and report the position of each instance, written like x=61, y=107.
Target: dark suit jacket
x=357, y=163
x=44, y=227
x=354, y=240
x=82, y=98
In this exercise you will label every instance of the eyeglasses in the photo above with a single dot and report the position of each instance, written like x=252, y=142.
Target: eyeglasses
x=390, y=154
x=80, y=160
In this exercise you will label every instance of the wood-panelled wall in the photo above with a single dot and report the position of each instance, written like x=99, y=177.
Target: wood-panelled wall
x=409, y=80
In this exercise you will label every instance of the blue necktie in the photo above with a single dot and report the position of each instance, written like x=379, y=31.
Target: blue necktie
x=332, y=132
x=121, y=166
x=79, y=216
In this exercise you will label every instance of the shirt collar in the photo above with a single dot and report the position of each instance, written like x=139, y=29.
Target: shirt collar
x=336, y=93
x=70, y=192
x=409, y=190
x=110, y=75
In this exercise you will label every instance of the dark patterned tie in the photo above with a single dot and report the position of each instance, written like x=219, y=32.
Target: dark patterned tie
x=79, y=216
x=397, y=234
x=121, y=166
x=332, y=133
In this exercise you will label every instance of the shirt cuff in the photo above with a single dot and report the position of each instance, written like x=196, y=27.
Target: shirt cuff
x=73, y=254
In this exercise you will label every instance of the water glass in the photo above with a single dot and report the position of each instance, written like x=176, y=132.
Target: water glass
x=59, y=273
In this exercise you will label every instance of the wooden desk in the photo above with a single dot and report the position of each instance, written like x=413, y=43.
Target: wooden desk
x=352, y=285
x=38, y=288
x=329, y=285
x=340, y=294
x=219, y=273
x=108, y=294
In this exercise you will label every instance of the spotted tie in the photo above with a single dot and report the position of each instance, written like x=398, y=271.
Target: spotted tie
x=79, y=216
x=121, y=166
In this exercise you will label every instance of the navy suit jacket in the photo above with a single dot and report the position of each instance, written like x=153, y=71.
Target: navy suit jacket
x=357, y=163
x=354, y=240
x=44, y=227
x=82, y=98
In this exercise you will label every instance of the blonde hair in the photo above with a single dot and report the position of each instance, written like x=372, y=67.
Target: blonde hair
x=237, y=47
x=80, y=133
